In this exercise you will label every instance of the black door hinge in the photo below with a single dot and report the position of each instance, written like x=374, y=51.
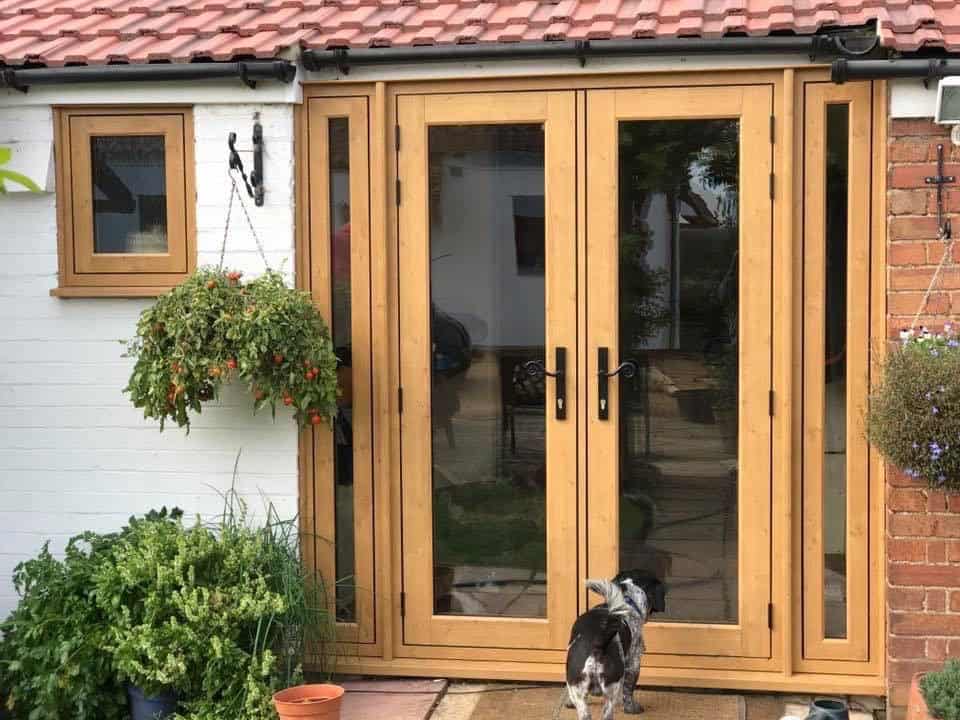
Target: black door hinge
x=403, y=604
x=770, y=402
x=773, y=129
x=398, y=192
x=771, y=186
x=770, y=616
x=400, y=400
x=397, y=136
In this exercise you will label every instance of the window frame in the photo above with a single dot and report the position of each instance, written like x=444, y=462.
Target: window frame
x=83, y=273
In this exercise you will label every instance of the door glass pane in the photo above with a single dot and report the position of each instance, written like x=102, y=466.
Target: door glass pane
x=486, y=207
x=835, y=377
x=679, y=307
x=343, y=344
x=129, y=194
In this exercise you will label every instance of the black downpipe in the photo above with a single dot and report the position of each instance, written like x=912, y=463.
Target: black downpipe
x=248, y=72
x=343, y=59
x=925, y=69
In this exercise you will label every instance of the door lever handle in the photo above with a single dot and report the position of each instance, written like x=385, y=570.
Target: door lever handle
x=628, y=368
x=536, y=368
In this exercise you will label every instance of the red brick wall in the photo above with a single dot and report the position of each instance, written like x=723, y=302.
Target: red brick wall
x=923, y=526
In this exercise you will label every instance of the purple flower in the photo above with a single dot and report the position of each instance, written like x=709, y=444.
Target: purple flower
x=941, y=479
x=934, y=353
x=953, y=343
x=936, y=410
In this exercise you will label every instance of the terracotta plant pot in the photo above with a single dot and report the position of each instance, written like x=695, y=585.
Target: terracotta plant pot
x=916, y=705
x=310, y=702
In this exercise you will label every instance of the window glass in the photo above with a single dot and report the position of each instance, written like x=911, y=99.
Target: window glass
x=129, y=194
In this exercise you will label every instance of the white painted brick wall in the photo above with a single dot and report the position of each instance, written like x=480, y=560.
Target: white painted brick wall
x=74, y=454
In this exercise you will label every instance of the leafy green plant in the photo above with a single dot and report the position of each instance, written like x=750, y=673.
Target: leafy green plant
x=285, y=351
x=183, y=347
x=914, y=414
x=941, y=690
x=52, y=659
x=219, y=615
x=213, y=328
x=6, y=154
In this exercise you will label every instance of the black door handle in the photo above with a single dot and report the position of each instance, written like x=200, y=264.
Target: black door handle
x=628, y=368
x=536, y=368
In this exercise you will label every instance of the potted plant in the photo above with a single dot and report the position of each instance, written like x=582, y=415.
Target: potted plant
x=214, y=328
x=216, y=616
x=914, y=413
x=936, y=695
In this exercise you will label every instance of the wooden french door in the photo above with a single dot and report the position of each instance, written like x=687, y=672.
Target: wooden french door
x=488, y=345
x=678, y=342
x=675, y=335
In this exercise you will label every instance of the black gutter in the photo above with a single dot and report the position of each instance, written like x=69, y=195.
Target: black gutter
x=925, y=69
x=343, y=59
x=248, y=72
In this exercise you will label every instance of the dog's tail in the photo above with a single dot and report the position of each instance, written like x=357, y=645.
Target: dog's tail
x=611, y=592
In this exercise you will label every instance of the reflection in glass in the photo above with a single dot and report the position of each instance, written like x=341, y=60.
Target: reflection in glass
x=678, y=220
x=129, y=194
x=341, y=330
x=835, y=377
x=486, y=205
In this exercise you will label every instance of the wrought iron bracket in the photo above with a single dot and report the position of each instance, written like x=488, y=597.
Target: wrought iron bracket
x=943, y=226
x=253, y=183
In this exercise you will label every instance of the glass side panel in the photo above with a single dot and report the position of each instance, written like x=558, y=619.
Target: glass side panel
x=487, y=303
x=835, y=376
x=341, y=328
x=679, y=309
x=129, y=194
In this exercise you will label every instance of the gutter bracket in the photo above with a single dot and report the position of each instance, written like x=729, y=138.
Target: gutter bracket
x=244, y=77
x=342, y=60
x=10, y=80
x=581, y=48
x=933, y=71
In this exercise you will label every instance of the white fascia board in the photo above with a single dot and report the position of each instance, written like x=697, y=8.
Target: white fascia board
x=221, y=91
x=570, y=67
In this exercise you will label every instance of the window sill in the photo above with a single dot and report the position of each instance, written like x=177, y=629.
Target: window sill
x=104, y=291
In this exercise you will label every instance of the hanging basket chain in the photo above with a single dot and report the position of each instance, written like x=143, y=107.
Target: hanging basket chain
x=947, y=240
x=226, y=224
x=235, y=193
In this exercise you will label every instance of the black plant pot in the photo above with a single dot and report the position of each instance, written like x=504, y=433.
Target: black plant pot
x=150, y=708
x=828, y=710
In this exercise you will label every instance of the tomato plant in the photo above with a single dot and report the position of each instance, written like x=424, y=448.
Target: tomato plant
x=212, y=329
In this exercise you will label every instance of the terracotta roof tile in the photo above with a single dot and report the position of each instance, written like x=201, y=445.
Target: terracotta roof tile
x=56, y=32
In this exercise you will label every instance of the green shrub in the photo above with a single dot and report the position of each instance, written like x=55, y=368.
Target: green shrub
x=213, y=328
x=914, y=413
x=941, y=690
x=219, y=615
x=52, y=659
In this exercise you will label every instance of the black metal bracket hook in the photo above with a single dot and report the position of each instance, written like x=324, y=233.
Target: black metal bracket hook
x=254, y=183
x=245, y=78
x=943, y=226
x=10, y=80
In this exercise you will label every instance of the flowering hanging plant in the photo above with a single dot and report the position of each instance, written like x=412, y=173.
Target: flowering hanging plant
x=214, y=328
x=914, y=413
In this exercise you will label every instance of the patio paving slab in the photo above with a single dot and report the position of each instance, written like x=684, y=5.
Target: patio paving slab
x=393, y=699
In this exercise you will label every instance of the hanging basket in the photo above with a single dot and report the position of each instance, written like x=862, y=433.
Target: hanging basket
x=213, y=329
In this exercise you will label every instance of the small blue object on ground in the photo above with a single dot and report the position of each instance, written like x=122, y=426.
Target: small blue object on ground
x=828, y=710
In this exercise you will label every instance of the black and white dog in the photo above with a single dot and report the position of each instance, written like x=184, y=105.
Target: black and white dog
x=606, y=643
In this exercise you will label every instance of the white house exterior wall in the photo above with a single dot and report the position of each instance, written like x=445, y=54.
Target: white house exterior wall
x=74, y=454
